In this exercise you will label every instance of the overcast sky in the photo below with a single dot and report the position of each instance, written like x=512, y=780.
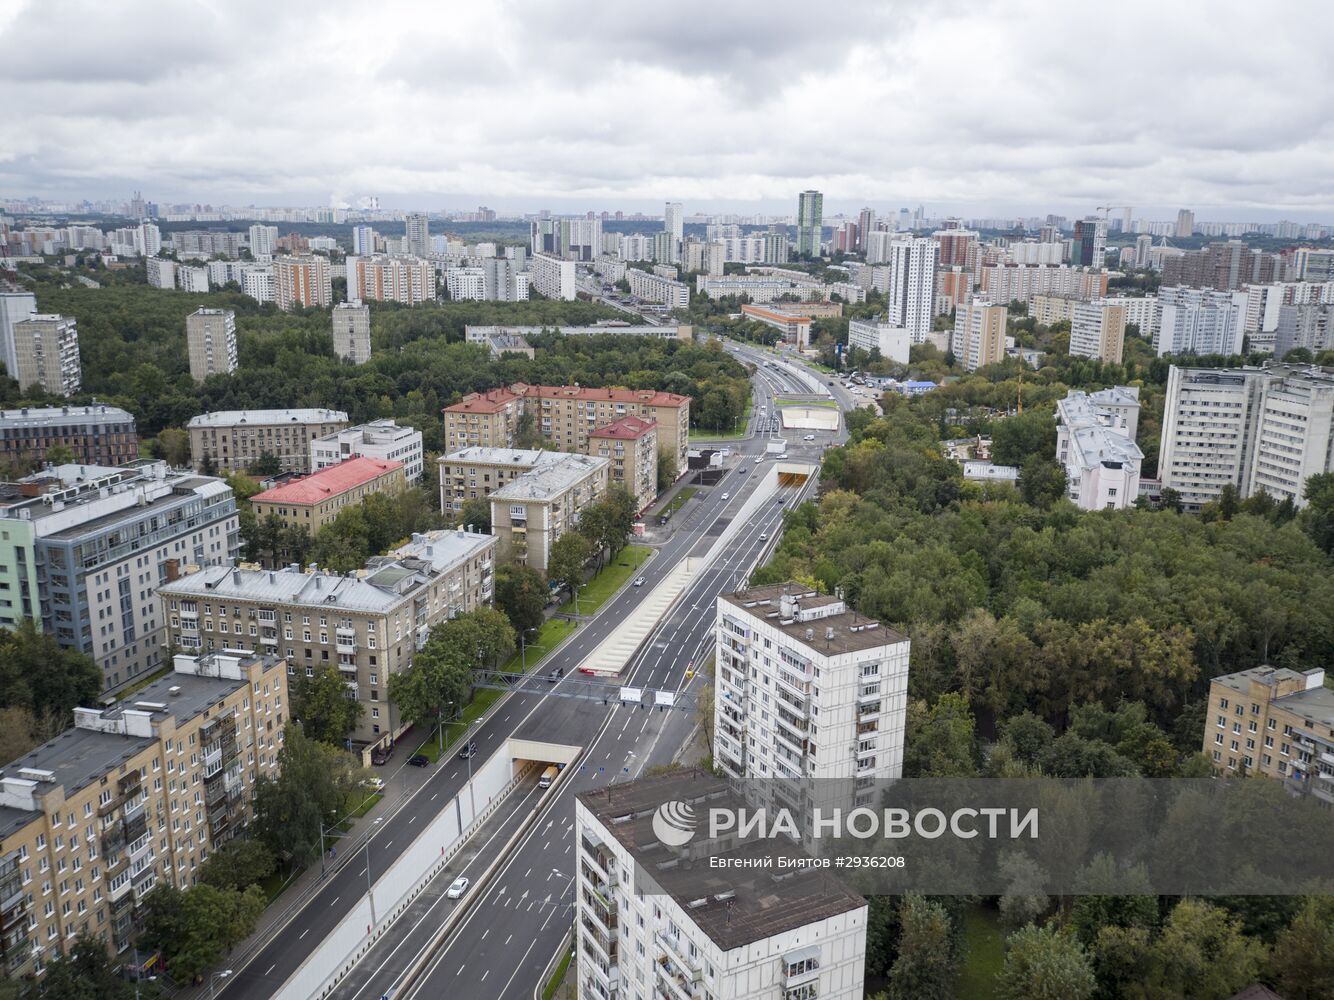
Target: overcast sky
x=968, y=107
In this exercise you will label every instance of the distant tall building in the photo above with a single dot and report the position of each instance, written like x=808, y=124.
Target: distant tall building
x=210, y=335
x=417, y=233
x=579, y=239
x=673, y=221
x=352, y=332
x=14, y=306
x=46, y=353
x=1143, y=244
x=382, y=278
x=776, y=245
x=302, y=281
x=553, y=277
x=363, y=241
x=912, y=286
x=1185, y=224
x=865, y=224
x=1089, y=247
x=1199, y=321
x=1098, y=330
x=979, y=334
x=263, y=241
x=810, y=222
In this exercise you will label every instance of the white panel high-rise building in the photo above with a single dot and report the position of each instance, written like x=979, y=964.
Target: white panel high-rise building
x=553, y=277
x=417, y=233
x=1199, y=321
x=673, y=220
x=263, y=241
x=210, y=336
x=363, y=241
x=14, y=306
x=352, y=331
x=912, y=286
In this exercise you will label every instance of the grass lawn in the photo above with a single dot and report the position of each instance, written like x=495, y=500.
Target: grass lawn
x=679, y=500
x=276, y=883
x=550, y=635
x=783, y=401
x=984, y=944
x=612, y=577
x=702, y=435
x=557, y=977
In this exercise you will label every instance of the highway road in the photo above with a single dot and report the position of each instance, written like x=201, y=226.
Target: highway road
x=682, y=638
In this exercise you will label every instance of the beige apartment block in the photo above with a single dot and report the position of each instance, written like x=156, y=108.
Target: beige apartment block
x=631, y=446
x=133, y=795
x=46, y=353
x=315, y=500
x=352, y=332
x=210, y=336
x=530, y=514
x=238, y=439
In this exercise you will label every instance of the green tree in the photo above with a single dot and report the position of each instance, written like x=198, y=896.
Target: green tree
x=668, y=468
x=241, y=862
x=1016, y=439
x=569, y=556
x=925, y=968
x=1202, y=953
x=476, y=512
x=85, y=973
x=941, y=741
x=1041, y=481
x=313, y=781
x=60, y=454
x=173, y=445
x=324, y=705
x=1303, y=959
x=481, y=638
x=1043, y=963
x=267, y=465
x=521, y=595
x=1318, y=518
x=39, y=675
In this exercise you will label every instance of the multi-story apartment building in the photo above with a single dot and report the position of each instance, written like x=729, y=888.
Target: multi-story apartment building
x=553, y=277
x=463, y=284
x=263, y=241
x=573, y=239
x=1199, y=321
x=46, y=353
x=210, y=336
x=911, y=297
x=352, y=332
x=474, y=473
x=257, y=282
x=807, y=689
x=564, y=415
x=979, y=334
x=96, y=434
x=160, y=272
x=1308, y=326
x=482, y=420
x=131, y=796
x=1141, y=311
x=798, y=940
x=417, y=233
x=385, y=278
x=810, y=222
x=1050, y=309
x=877, y=334
x=956, y=248
x=1268, y=428
x=380, y=439
x=1088, y=248
x=1098, y=330
x=530, y=513
x=83, y=547
x=239, y=439
x=1007, y=282
x=1276, y=722
x=14, y=306
x=656, y=288
x=1185, y=227
x=631, y=446
x=303, y=280
x=369, y=624
x=1095, y=442
x=313, y=501
x=795, y=328
x=666, y=331
x=1224, y=267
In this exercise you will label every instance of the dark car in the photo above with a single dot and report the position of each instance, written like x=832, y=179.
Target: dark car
x=468, y=751
x=419, y=760
x=380, y=757
x=555, y=675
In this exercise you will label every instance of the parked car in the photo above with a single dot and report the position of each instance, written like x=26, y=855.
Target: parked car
x=458, y=887
x=380, y=757
x=469, y=750
x=419, y=760
x=374, y=784
x=640, y=581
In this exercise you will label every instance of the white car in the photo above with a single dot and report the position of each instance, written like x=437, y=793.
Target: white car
x=374, y=784
x=727, y=496
x=809, y=437
x=458, y=887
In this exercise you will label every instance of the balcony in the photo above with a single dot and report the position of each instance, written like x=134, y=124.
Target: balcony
x=212, y=763
x=676, y=950
x=345, y=641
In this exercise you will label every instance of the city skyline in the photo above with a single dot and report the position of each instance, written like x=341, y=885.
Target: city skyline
x=517, y=136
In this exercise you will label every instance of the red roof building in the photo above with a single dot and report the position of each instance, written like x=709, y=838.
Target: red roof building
x=315, y=500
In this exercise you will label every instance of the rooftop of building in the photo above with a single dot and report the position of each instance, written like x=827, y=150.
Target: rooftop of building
x=525, y=457
x=330, y=482
x=819, y=621
x=376, y=588
x=551, y=479
x=734, y=907
x=205, y=311
x=80, y=756
x=1095, y=442
x=775, y=313
x=372, y=431
x=303, y=415
x=59, y=416
x=1312, y=700
x=490, y=401
x=629, y=428
x=648, y=397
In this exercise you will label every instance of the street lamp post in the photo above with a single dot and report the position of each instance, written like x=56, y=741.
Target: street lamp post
x=523, y=648
x=213, y=979
x=370, y=893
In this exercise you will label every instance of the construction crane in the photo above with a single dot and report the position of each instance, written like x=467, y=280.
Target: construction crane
x=1104, y=209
